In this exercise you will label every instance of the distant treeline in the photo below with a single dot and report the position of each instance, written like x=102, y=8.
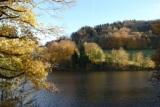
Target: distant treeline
x=87, y=47
x=129, y=34
x=90, y=56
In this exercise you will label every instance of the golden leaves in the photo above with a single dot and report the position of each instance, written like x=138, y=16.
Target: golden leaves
x=8, y=31
x=17, y=46
x=17, y=58
x=22, y=14
x=26, y=16
x=60, y=51
x=19, y=11
x=94, y=52
x=148, y=63
x=36, y=72
x=120, y=57
x=10, y=66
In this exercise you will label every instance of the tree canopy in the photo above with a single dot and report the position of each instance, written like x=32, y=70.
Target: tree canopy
x=21, y=11
x=20, y=54
x=127, y=34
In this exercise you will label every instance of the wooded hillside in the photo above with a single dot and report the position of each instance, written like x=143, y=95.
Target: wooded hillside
x=130, y=34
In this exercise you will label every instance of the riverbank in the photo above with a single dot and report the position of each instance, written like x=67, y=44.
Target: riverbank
x=101, y=68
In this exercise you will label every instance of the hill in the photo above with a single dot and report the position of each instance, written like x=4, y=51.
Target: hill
x=129, y=34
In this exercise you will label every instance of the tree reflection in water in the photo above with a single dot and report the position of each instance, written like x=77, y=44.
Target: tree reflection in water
x=17, y=92
x=156, y=82
x=156, y=78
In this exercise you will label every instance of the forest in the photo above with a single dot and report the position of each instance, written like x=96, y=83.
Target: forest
x=128, y=45
x=129, y=34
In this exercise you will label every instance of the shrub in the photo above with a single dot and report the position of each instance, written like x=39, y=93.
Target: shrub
x=148, y=63
x=119, y=57
x=61, y=51
x=108, y=58
x=138, y=58
x=140, y=61
x=94, y=52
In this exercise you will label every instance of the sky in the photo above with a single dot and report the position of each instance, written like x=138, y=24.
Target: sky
x=94, y=12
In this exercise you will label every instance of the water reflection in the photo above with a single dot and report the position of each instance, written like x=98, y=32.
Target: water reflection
x=16, y=92
x=100, y=89
x=90, y=89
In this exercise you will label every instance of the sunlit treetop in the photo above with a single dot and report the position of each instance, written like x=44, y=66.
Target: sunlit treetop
x=8, y=31
x=17, y=51
x=17, y=58
x=61, y=51
x=21, y=11
x=94, y=52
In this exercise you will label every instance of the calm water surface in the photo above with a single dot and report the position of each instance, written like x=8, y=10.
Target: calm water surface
x=101, y=89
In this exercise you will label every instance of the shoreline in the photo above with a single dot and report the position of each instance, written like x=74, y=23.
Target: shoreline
x=103, y=70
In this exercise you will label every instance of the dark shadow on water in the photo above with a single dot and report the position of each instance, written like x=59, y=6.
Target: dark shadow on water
x=17, y=92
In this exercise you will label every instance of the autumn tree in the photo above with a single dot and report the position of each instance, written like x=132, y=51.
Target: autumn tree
x=128, y=34
x=61, y=51
x=16, y=56
x=94, y=52
x=120, y=58
x=19, y=50
x=149, y=63
x=143, y=62
x=118, y=38
x=139, y=59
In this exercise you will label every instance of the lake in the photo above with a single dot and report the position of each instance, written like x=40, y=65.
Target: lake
x=101, y=89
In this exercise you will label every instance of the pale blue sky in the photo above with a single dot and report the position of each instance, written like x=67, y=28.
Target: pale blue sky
x=94, y=12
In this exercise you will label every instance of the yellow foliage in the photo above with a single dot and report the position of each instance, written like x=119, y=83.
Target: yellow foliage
x=17, y=57
x=140, y=61
x=60, y=51
x=11, y=63
x=148, y=63
x=8, y=31
x=17, y=54
x=19, y=11
x=27, y=16
x=120, y=57
x=17, y=46
x=139, y=58
x=10, y=66
x=94, y=52
x=36, y=72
